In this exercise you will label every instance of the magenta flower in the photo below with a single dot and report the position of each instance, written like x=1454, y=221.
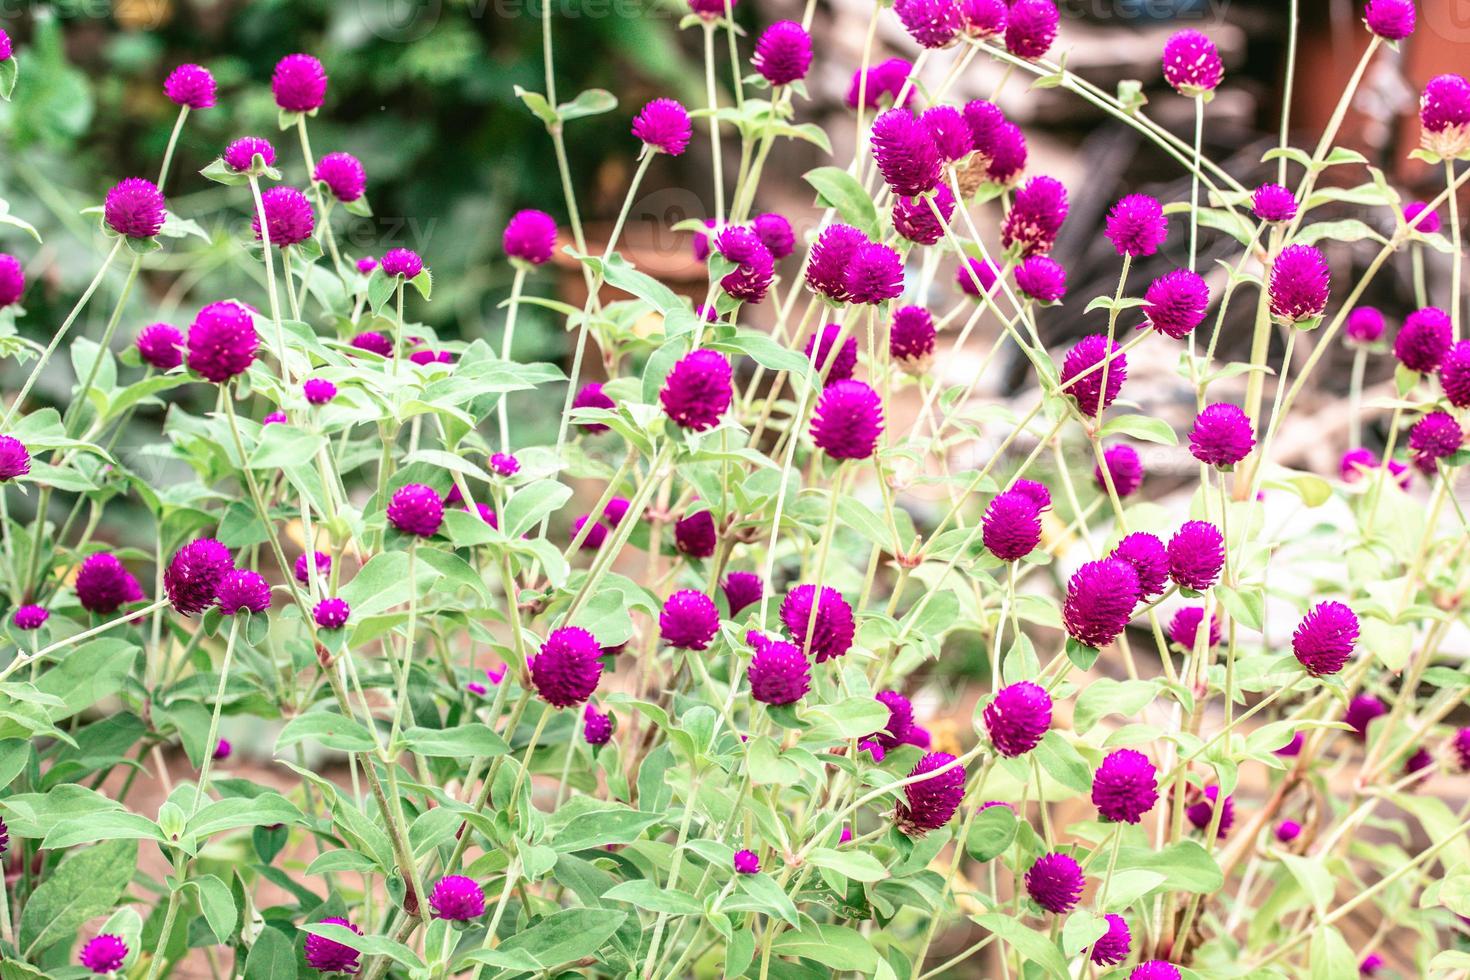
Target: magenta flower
x=1123, y=466
x=1423, y=340
x=1325, y=638
x=402, y=262
x=1364, y=325
x=834, y=628
x=274, y=418
x=1454, y=374
x=328, y=955
x=103, y=584
x=319, y=561
x=905, y=153
x=1100, y=600
x=1137, y=225
x=900, y=719
x=1042, y=278
x=222, y=750
x=885, y=79
x=1222, y=435
x=1113, y=946
x=1088, y=386
x=1300, y=283
x=783, y=53
x=416, y=509
x=1360, y=713
x=710, y=9
x=1444, y=115
x=12, y=280
x=1418, y=216
x=747, y=863
x=240, y=155
x=984, y=18
x=1149, y=558
x=161, y=346
x=590, y=396
x=596, y=534
x=299, y=83
x=874, y=275
x=318, y=391
x=914, y=218
x=134, y=208
x=457, y=899
x=373, y=342
x=754, y=264
x=839, y=366
x=193, y=577
x=30, y=618
x=695, y=535
x=1007, y=151
x=1434, y=437
x=779, y=673
x=911, y=339
x=189, y=87
x=566, y=670
x=1039, y=494
x=976, y=276
x=1288, y=831
x=930, y=803
x=244, y=589
x=1017, y=718
x=848, y=420
x=5, y=52
x=288, y=217
x=1011, y=527
x=663, y=126
x=596, y=726
x=1370, y=965
x=742, y=589
x=1459, y=747
x=932, y=23
x=1055, y=882
x=331, y=614
x=1192, y=64
x=529, y=236
x=1031, y=27
x=1176, y=302
x=104, y=953
x=1294, y=747
x=949, y=131
x=1154, y=970
x=985, y=121
x=775, y=234
x=832, y=252
x=1202, y=812
x=1196, y=555
x=504, y=464
x=343, y=174
x=1184, y=628
x=15, y=459
x=697, y=391
x=1273, y=203
x=1036, y=216
x=689, y=620
x=1392, y=20
x=1125, y=786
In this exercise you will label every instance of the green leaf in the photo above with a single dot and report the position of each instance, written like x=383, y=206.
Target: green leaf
x=115, y=825
x=282, y=446
x=618, y=273
x=530, y=504
x=235, y=812
x=839, y=189
x=832, y=946
x=1081, y=930
x=271, y=957
x=1186, y=866
x=857, y=865
x=602, y=825
x=991, y=833
x=760, y=893
x=849, y=718
x=330, y=729
x=1031, y=945
x=646, y=894
x=1145, y=428
x=369, y=944
x=560, y=938
x=1245, y=606
x=1330, y=956
x=538, y=105
x=85, y=885
x=460, y=742
x=1106, y=696
x=1063, y=763
x=1312, y=875
x=592, y=102
x=1346, y=230
x=217, y=904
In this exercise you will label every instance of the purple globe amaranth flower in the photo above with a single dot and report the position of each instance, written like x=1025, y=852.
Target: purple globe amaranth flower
x=12, y=280
x=1042, y=279
x=103, y=584
x=976, y=276
x=1459, y=749
x=1137, y=225
x=900, y=719
x=710, y=9
x=1444, y=116
x=1324, y=639
x=834, y=628
x=590, y=395
x=1017, y=718
x=1055, y=882
x=742, y=589
x=1176, y=302
x=240, y=155
x=831, y=253
x=885, y=79
x=1112, y=947
x=905, y=153
x=1454, y=374
x=328, y=955
x=1419, y=762
x=1370, y=965
x=1273, y=203
x=104, y=953
x=1154, y=970
x=1123, y=467
x=1294, y=747
x=1039, y=494
x=615, y=511
x=838, y=366
x=374, y=343
x=1007, y=152
x=1222, y=435
x=6, y=48
x=244, y=589
x=663, y=126
x=529, y=236
x=1125, y=786
x=288, y=217
x=689, y=620
x=1288, y=831
x=222, y=750
x=343, y=174
x=318, y=391
x=874, y=275
x=417, y=509
x=1434, y=437
x=697, y=391
x=747, y=863
x=299, y=83
x=949, y=131
x=1202, y=812
x=775, y=234
x=193, y=577
x=1091, y=350
x=274, y=418
x=161, y=345
x=1036, y=216
x=1360, y=713
x=984, y=18
x=1149, y=558
x=1011, y=527
x=1300, y=284
x=318, y=560
x=1421, y=218
x=932, y=23
x=1364, y=325
x=331, y=614
x=783, y=53
x=1100, y=600
x=1184, y=628
x=914, y=218
x=1031, y=27
x=402, y=262
x=848, y=420
x=566, y=670
x=1196, y=555
x=504, y=464
x=134, y=208
x=985, y=120
x=485, y=514
x=929, y=803
x=30, y=618
x=457, y=899
x=911, y=339
x=190, y=87
x=1392, y=20
x=779, y=673
x=1192, y=64
x=754, y=263
x=15, y=459
x=695, y=535
x=596, y=726
x=1423, y=340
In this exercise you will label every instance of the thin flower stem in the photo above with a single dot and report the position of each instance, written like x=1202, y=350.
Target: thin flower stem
x=1457, y=257
x=322, y=204
x=270, y=278
x=503, y=409
x=219, y=699
x=1288, y=84
x=173, y=141
x=1199, y=136
x=40, y=654
x=675, y=865
x=712, y=96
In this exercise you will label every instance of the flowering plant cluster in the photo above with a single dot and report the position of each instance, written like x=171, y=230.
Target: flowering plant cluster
x=683, y=726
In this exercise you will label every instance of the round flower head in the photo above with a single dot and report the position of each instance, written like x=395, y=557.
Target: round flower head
x=742, y=589
x=193, y=577
x=402, y=262
x=826, y=270
x=104, y=953
x=848, y=420
x=373, y=342
x=900, y=719
x=15, y=459
x=1042, y=279
x=1137, y=226
x=331, y=614
x=1192, y=64
x=1420, y=761
x=932, y=23
x=930, y=803
x=566, y=670
x=1444, y=115
x=1036, y=216
x=1037, y=492
x=1418, y=216
x=834, y=629
x=838, y=366
x=1113, y=946
x=1364, y=325
x=984, y=18
x=1154, y=970
x=1184, y=628
x=161, y=346
x=1423, y=340
x=318, y=391
x=976, y=276
x=416, y=509
x=12, y=280
x=343, y=174
x=911, y=339
x=240, y=155
x=695, y=535
x=778, y=674
x=747, y=863
x=710, y=9
x=1355, y=463
x=244, y=589
x=1196, y=555
x=875, y=275
x=529, y=236
x=615, y=511
x=504, y=464
x=915, y=220
x=697, y=391
x=905, y=153
x=1325, y=637
x=596, y=726
x=5, y=46
x=299, y=83
x=1459, y=748
x=1222, y=435
x=950, y=132
x=1123, y=467
x=134, y=208
x=30, y=617
x=103, y=584
x=288, y=217
x=663, y=126
x=320, y=561
x=1055, y=882
x=1293, y=748
x=1125, y=786
x=754, y=264
x=1201, y=813
x=1360, y=713
x=1370, y=965
x=274, y=418
x=689, y=620
x=457, y=899
x=1017, y=718
x=1011, y=527
x=1031, y=26
x=1088, y=388
x=1392, y=20
x=590, y=396
x=985, y=121
x=885, y=79
x=1149, y=558
x=1100, y=600
x=783, y=53
x=328, y=955
x=775, y=234
x=1175, y=303
x=1007, y=156
x=1454, y=374
x=1274, y=203
x=1288, y=831
x=190, y=87
x=1434, y=437
x=1300, y=283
